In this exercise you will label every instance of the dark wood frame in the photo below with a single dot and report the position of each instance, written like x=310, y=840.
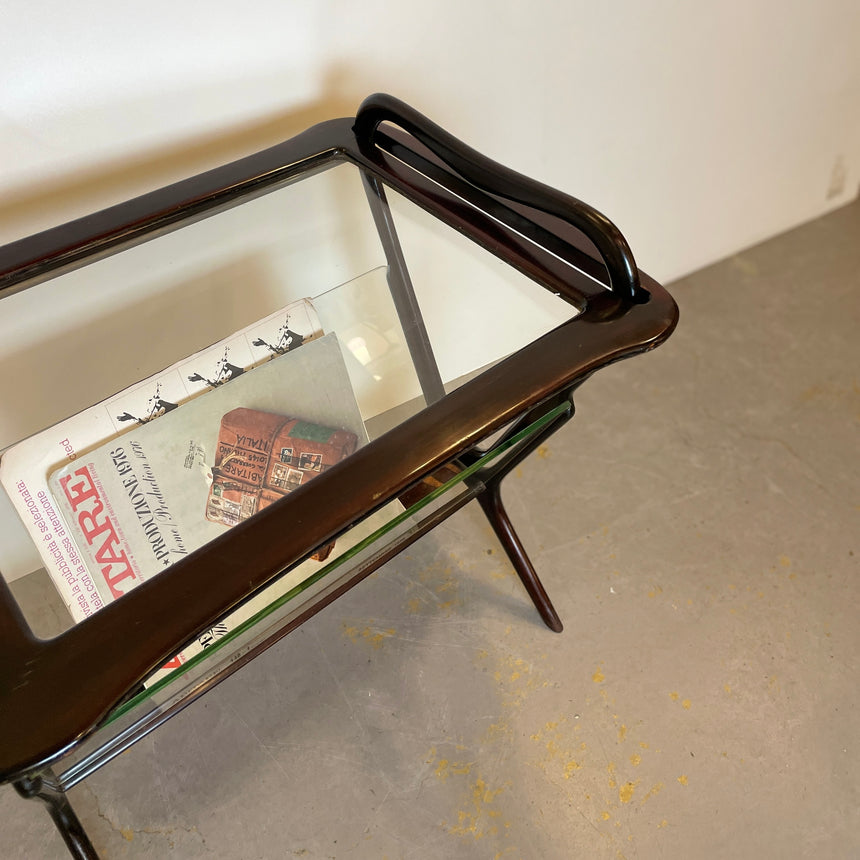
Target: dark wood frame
x=558, y=241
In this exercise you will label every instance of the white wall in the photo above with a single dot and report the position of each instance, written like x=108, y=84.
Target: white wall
x=698, y=128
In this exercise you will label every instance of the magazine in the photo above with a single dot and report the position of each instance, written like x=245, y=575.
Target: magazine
x=24, y=468
x=146, y=499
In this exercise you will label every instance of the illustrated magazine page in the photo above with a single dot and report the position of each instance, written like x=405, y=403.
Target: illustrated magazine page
x=24, y=468
x=151, y=496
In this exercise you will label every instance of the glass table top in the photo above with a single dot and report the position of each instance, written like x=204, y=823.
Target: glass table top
x=292, y=301
x=85, y=336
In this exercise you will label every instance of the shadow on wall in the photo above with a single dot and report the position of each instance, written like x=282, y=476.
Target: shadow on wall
x=48, y=202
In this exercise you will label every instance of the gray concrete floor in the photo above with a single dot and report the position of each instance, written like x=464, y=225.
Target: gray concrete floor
x=697, y=527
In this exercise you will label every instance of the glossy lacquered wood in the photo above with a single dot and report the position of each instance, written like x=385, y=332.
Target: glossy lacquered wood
x=44, y=712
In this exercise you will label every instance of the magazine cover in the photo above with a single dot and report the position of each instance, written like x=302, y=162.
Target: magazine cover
x=149, y=497
x=24, y=468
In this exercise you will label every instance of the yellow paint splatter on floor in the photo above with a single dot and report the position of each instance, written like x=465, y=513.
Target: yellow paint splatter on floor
x=567, y=755
x=127, y=834
x=515, y=677
x=445, y=768
x=474, y=820
x=625, y=793
x=477, y=816
x=570, y=767
x=653, y=792
x=373, y=635
x=439, y=578
x=557, y=738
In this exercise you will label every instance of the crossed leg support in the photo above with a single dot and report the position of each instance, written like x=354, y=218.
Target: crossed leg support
x=491, y=503
x=494, y=509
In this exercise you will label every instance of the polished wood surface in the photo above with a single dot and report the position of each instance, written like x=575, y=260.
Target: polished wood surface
x=44, y=709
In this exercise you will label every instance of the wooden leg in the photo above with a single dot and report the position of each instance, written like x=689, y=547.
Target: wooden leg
x=494, y=509
x=61, y=812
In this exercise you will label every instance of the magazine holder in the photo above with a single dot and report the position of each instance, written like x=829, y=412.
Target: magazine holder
x=450, y=441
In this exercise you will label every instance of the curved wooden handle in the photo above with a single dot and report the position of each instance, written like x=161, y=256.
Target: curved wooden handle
x=495, y=178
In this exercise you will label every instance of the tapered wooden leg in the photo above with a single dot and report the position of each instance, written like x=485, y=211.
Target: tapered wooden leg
x=64, y=817
x=494, y=509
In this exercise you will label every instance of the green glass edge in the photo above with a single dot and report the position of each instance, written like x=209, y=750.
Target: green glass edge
x=340, y=560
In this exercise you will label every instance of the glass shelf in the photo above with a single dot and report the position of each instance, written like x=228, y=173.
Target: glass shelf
x=147, y=709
